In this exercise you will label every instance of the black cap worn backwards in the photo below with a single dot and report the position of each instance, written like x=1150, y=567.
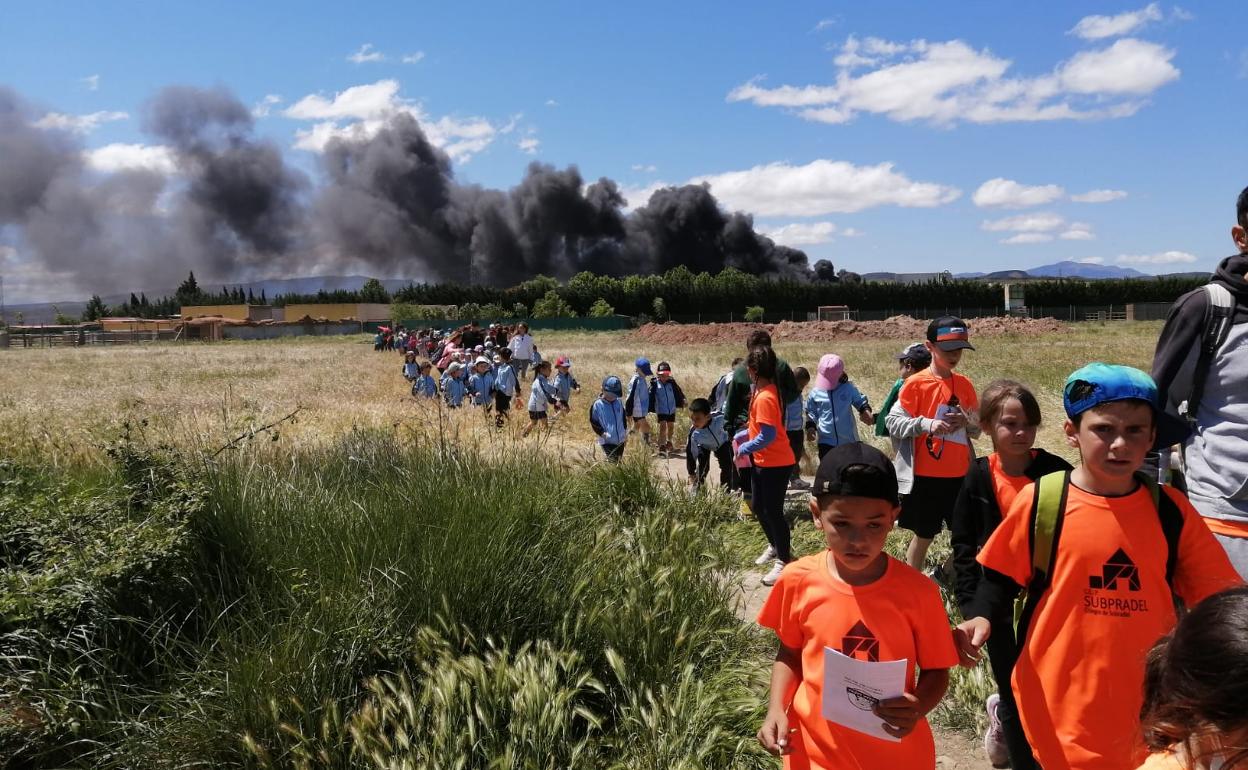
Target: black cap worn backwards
x=876, y=478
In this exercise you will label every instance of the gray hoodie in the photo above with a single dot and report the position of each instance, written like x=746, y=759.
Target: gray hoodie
x=1216, y=456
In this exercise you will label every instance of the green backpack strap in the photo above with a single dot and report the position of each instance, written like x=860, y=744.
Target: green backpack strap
x=1048, y=509
x=1171, y=519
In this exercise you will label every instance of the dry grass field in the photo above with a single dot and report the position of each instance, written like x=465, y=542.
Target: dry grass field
x=63, y=405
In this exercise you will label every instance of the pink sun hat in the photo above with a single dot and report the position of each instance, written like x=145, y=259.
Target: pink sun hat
x=831, y=367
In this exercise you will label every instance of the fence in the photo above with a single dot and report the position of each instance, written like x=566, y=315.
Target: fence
x=67, y=339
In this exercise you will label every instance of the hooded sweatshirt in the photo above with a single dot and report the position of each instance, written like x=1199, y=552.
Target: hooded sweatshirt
x=1216, y=455
x=606, y=417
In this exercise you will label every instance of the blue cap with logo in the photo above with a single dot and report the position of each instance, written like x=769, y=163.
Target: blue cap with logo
x=613, y=385
x=1099, y=383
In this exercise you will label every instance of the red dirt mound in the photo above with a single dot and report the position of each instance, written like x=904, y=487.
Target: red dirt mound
x=896, y=328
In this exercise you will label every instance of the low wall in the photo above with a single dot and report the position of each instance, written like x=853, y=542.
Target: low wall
x=288, y=330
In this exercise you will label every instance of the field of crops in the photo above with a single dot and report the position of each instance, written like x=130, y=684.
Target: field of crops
x=378, y=584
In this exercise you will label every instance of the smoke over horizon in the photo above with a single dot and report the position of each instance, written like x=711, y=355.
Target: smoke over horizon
x=236, y=210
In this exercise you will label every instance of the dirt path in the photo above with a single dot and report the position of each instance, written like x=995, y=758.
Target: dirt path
x=954, y=751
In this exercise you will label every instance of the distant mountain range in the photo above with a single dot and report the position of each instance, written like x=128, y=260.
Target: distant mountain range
x=1067, y=269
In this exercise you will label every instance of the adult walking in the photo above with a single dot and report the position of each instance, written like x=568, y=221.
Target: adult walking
x=1201, y=369
x=772, y=457
x=521, y=345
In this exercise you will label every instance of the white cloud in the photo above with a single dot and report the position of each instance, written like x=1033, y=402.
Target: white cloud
x=1164, y=258
x=851, y=232
x=79, y=124
x=1129, y=66
x=552, y=103
x=1099, y=196
x=1181, y=14
x=529, y=145
x=636, y=197
x=124, y=157
x=822, y=187
x=1091, y=260
x=1008, y=194
x=92, y=82
x=1098, y=27
x=361, y=111
x=823, y=24
x=366, y=54
x=262, y=108
x=413, y=58
x=1041, y=222
x=1027, y=238
x=802, y=233
x=1078, y=231
x=645, y=168
x=357, y=102
x=950, y=82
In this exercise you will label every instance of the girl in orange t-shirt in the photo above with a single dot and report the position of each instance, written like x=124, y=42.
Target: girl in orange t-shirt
x=772, y=456
x=1194, y=684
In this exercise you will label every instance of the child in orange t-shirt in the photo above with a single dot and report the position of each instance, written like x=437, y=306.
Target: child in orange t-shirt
x=1194, y=687
x=933, y=421
x=771, y=455
x=1010, y=415
x=856, y=599
x=1079, y=676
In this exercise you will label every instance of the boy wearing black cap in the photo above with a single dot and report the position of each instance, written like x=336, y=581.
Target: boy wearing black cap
x=1101, y=569
x=932, y=423
x=856, y=599
x=912, y=359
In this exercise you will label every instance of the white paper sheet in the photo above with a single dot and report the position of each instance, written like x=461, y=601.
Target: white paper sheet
x=852, y=688
x=958, y=436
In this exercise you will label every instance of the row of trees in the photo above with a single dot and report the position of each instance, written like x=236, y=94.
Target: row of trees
x=682, y=290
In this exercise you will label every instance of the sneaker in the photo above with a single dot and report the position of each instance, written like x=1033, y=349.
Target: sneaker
x=771, y=577
x=767, y=555
x=994, y=739
x=799, y=483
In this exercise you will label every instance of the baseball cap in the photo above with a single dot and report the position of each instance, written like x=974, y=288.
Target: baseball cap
x=879, y=482
x=828, y=375
x=612, y=384
x=914, y=352
x=563, y=361
x=949, y=333
x=481, y=360
x=1099, y=383
x=644, y=365
x=664, y=367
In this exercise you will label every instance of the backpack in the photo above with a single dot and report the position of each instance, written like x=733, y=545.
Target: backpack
x=1048, y=511
x=1219, y=315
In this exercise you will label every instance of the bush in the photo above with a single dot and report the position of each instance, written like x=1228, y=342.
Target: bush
x=373, y=604
x=754, y=314
x=551, y=305
x=600, y=309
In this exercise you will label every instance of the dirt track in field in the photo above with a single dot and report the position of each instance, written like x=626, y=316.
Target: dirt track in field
x=898, y=327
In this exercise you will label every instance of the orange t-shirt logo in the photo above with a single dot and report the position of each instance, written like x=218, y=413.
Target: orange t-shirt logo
x=860, y=643
x=1118, y=575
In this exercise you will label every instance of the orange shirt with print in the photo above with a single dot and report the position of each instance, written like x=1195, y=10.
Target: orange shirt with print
x=921, y=396
x=765, y=410
x=900, y=616
x=1080, y=673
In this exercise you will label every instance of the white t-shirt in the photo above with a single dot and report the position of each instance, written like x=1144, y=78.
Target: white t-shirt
x=522, y=347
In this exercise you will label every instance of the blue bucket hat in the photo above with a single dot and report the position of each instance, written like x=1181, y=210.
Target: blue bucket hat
x=1099, y=383
x=644, y=365
x=612, y=384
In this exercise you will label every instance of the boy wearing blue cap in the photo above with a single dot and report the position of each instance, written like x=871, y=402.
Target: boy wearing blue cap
x=637, y=403
x=1101, y=551
x=606, y=417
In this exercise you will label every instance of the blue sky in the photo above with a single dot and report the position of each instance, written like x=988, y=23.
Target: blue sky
x=882, y=136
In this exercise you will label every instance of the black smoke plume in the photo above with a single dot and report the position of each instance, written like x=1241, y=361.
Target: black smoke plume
x=388, y=203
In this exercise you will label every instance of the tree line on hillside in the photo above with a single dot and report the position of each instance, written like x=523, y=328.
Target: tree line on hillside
x=679, y=289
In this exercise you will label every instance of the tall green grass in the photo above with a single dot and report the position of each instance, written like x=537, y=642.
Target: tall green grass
x=374, y=604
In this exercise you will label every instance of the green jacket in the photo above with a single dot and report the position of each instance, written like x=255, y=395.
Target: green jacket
x=880, y=428
x=737, y=406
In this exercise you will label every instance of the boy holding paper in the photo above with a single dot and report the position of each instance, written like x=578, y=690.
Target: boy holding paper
x=857, y=601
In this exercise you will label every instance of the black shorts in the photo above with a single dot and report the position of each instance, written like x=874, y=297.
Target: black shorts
x=502, y=402
x=929, y=506
x=665, y=417
x=536, y=415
